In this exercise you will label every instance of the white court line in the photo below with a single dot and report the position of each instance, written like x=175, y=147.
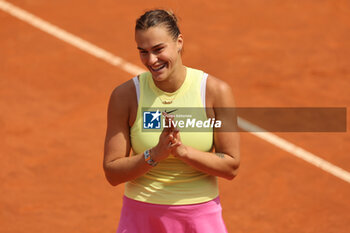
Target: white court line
x=293, y=149
x=70, y=38
x=135, y=70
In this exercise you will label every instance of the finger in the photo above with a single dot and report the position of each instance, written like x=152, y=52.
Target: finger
x=167, y=116
x=169, y=128
x=173, y=145
x=169, y=119
x=171, y=123
x=166, y=131
x=176, y=133
x=170, y=137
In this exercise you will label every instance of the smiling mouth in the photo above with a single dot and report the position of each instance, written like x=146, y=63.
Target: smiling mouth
x=159, y=68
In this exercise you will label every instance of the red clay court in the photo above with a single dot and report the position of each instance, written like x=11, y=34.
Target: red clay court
x=54, y=96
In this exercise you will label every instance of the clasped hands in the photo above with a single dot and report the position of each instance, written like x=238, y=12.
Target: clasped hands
x=169, y=142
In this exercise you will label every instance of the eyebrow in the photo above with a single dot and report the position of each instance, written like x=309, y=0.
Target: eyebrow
x=139, y=48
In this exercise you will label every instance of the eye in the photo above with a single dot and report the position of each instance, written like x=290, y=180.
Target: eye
x=159, y=50
x=143, y=52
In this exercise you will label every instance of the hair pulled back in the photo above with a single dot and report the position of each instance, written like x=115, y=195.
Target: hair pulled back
x=159, y=17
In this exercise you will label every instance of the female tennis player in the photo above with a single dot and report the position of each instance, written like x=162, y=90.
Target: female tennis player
x=171, y=175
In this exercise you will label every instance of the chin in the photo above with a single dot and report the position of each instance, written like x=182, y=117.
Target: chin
x=159, y=77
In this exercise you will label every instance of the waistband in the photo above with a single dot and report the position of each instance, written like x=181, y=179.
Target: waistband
x=188, y=209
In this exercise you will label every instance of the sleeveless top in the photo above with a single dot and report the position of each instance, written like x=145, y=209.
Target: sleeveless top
x=171, y=182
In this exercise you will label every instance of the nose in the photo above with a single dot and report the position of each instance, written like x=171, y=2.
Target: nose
x=151, y=59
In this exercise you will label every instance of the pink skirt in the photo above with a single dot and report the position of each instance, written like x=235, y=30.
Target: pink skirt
x=141, y=217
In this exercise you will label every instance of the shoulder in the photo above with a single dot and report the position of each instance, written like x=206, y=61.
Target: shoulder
x=123, y=89
x=217, y=86
x=219, y=92
x=124, y=95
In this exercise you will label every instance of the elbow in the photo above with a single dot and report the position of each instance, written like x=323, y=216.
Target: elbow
x=111, y=177
x=112, y=181
x=233, y=171
x=232, y=175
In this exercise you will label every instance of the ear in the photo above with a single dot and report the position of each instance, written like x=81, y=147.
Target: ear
x=179, y=42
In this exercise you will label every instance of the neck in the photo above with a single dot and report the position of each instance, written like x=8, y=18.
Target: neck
x=174, y=81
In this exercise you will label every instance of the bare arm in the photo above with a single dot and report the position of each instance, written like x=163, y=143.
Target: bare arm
x=117, y=164
x=225, y=162
x=119, y=167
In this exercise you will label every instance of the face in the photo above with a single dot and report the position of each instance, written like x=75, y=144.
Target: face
x=158, y=51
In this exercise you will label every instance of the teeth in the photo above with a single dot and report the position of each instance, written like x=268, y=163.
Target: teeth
x=159, y=67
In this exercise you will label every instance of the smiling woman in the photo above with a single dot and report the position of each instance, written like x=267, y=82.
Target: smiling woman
x=159, y=52
x=171, y=176
x=160, y=43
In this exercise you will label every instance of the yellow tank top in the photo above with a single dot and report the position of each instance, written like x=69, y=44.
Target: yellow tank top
x=171, y=182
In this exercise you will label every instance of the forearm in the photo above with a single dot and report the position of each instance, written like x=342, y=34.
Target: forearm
x=125, y=169
x=217, y=164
